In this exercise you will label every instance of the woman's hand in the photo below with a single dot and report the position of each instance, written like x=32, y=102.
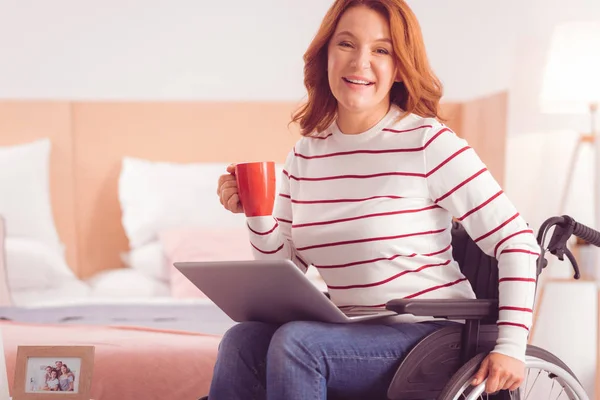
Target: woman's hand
x=227, y=191
x=502, y=372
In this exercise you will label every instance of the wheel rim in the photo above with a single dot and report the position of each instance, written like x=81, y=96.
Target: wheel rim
x=548, y=381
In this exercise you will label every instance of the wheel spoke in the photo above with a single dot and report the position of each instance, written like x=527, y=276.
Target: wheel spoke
x=530, y=390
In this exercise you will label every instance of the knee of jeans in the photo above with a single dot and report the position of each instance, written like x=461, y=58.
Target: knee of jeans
x=238, y=335
x=293, y=338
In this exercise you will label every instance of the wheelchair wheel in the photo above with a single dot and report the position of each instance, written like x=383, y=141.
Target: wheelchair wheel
x=546, y=377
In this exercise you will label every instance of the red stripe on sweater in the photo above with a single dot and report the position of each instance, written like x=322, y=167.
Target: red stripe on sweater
x=533, y=253
x=384, y=214
x=431, y=289
x=455, y=188
x=445, y=249
x=375, y=239
x=267, y=251
x=506, y=308
x=388, y=279
x=406, y=130
x=348, y=153
x=515, y=279
x=479, y=207
x=435, y=137
x=263, y=233
x=496, y=229
x=513, y=324
x=509, y=237
x=331, y=266
x=334, y=177
x=287, y=221
x=365, y=261
x=382, y=151
x=447, y=160
x=342, y=200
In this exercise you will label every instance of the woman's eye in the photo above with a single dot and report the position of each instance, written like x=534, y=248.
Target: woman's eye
x=345, y=44
x=382, y=51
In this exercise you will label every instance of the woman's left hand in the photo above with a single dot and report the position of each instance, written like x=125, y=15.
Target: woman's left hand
x=502, y=372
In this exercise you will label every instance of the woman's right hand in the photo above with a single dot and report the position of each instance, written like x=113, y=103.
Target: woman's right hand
x=227, y=191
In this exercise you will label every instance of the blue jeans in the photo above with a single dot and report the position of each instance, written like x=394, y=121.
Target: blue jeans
x=312, y=360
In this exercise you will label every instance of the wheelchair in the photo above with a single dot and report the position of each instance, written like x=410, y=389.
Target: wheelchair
x=442, y=365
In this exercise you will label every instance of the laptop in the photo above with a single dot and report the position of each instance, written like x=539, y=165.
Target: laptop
x=273, y=291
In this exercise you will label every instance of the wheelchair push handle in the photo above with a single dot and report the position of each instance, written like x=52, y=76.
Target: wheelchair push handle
x=586, y=233
x=564, y=227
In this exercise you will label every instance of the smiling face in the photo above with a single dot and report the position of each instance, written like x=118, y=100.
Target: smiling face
x=361, y=66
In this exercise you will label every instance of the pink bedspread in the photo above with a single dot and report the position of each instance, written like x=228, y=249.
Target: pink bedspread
x=130, y=363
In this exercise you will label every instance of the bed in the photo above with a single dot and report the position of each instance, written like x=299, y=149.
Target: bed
x=119, y=191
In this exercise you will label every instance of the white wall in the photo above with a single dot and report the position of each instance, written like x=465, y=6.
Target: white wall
x=190, y=49
x=468, y=42
x=138, y=49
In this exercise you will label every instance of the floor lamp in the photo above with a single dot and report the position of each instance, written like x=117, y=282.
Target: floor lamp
x=571, y=85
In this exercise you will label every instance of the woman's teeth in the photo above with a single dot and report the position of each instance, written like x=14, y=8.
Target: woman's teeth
x=358, y=82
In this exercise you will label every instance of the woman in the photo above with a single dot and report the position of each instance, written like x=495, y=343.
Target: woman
x=52, y=381
x=367, y=197
x=66, y=380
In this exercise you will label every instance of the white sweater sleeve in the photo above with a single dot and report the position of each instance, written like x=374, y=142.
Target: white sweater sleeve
x=459, y=182
x=271, y=236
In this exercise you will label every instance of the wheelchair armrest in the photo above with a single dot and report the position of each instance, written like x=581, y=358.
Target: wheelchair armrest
x=447, y=308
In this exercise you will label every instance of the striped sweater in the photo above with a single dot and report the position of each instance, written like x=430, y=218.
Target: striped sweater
x=373, y=213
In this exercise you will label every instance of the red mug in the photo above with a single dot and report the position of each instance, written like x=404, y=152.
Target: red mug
x=256, y=187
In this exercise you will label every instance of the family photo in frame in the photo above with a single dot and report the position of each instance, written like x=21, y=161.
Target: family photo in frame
x=57, y=372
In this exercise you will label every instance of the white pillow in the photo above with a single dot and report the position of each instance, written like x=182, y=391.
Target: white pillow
x=69, y=292
x=126, y=283
x=156, y=196
x=149, y=260
x=32, y=265
x=25, y=193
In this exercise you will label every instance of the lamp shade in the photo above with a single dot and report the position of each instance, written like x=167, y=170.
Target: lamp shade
x=571, y=80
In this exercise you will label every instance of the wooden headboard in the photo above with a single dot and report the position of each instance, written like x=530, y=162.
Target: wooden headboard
x=90, y=139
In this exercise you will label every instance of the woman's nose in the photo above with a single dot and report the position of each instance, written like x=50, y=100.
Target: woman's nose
x=362, y=60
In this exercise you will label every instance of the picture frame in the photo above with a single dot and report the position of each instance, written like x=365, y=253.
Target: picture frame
x=53, y=372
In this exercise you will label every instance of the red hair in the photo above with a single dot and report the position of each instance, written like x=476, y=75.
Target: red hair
x=419, y=91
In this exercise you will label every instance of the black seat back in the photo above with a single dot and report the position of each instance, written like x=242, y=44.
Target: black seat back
x=480, y=269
